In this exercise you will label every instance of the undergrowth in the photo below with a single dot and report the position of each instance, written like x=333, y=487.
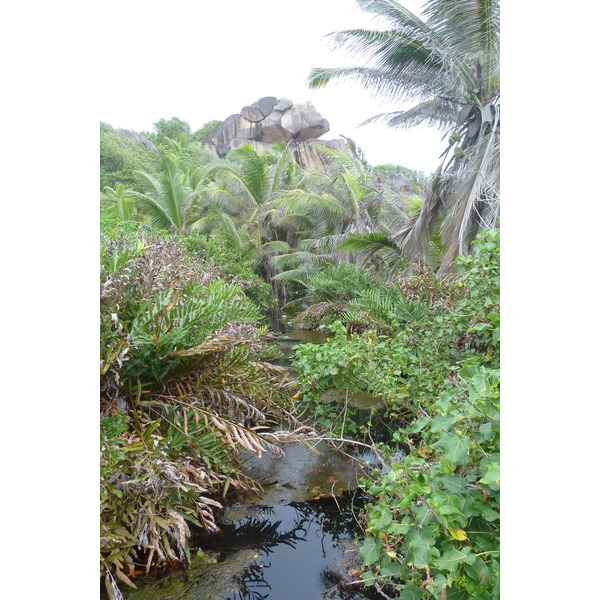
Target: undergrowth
x=434, y=357
x=184, y=389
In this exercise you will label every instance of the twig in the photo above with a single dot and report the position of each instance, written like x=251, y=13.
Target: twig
x=320, y=438
x=361, y=581
x=334, y=498
x=345, y=411
x=378, y=588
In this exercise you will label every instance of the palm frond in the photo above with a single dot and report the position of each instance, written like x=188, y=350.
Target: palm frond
x=438, y=112
x=254, y=173
x=301, y=201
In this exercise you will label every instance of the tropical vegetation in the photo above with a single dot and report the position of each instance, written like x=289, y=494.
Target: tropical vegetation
x=449, y=64
x=198, y=252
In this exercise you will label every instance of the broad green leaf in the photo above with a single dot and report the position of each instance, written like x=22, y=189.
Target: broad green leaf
x=490, y=514
x=454, y=594
x=411, y=593
x=492, y=475
x=442, y=423
x=468, y=371
x=393, y=569
x=449, y=509
x=384, y=520
x=481, y=385
x=420, y=546
x=421, y=556
x=456, y=448
x=419, y=424
x=451, y=560
x=494, y=318
x=478, y=571
x=399, y=528
x=370, y=550
x=454, y=484
x=368, y=575
x=417, y=488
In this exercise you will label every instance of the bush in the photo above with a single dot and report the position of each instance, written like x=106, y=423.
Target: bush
x=434, y=528
x=182, y=391
x=120, y=157
x=433, y=523
x=236, y=267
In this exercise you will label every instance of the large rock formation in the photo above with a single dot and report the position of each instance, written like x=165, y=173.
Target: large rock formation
x=267, y=121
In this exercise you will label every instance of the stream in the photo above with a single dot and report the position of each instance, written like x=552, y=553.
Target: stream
x=297, y=540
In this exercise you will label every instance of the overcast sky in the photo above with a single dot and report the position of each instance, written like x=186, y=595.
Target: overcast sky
x=201, y=61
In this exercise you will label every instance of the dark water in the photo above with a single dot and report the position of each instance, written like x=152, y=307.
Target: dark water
x=298, y=539
x=301, y=550
x=289, y=338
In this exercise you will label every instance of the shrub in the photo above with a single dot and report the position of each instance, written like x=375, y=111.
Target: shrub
x=434, y=522
x=183, y=392
x=120, y=157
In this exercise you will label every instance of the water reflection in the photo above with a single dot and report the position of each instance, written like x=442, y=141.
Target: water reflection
x=303, y=550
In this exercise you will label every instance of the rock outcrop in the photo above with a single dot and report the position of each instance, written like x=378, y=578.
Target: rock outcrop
x=267, y=121
x=144, y=141
x=307, y=156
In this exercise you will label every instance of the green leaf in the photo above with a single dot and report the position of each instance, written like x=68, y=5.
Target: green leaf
x=411, y=593
x=492, y=475
x=454, y=484
x=494, y=318
x=368, y=575
x=421, y=553
x=419, y=424
x=451, y=560
x=421, y=556
x=370, y=550
x=384, y=520
x=489, y=514
x=456, y=448
x=394, y=569
x=454, y=594
x=481, y=385
x=442, y=423
x=468, y=371
x=399, y=528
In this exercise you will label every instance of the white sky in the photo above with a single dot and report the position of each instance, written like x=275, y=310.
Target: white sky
x=206, y=60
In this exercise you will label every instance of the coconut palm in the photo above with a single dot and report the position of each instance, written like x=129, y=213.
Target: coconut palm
x=121, y=200
x=344, y=202
x=168, y=200
x=449, y=65
x=244, y=188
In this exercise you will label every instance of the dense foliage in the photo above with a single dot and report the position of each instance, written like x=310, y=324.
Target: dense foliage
x=448, y=62
x=433, y=522
x=183, y=391
x=120, y=157
x=196, y=251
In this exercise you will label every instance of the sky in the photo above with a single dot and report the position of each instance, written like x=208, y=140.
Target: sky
x=201, y=61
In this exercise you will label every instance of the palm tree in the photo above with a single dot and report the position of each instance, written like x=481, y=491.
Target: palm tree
x=449, y=65
x=121, y=200
x=342, y=201
x=168, y=201
x=345, y=202
x=244, y=188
